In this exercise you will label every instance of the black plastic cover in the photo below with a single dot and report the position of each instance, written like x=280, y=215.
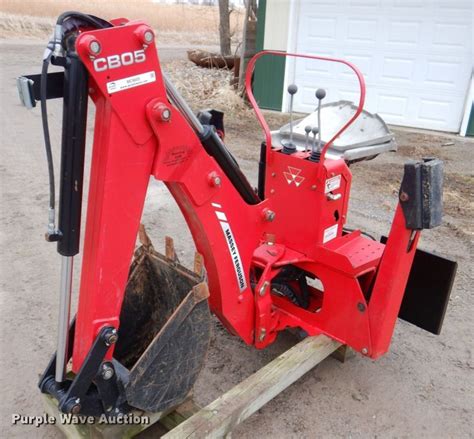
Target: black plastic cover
x=421, y=194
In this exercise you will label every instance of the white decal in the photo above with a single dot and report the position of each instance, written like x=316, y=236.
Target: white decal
x=130, y=82
x=234, y=251
x=221, y=216
x=330, y=233
x=116, y=61
x=332, y=184
x=293, y=175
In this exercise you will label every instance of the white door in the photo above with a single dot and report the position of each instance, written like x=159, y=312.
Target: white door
x=416, y=56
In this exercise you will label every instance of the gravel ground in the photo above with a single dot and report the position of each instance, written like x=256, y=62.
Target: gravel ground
x=422, y=388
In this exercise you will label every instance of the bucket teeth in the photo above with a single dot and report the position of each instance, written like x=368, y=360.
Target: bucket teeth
x=199, y=265
x=144, y=239
x=170, y=252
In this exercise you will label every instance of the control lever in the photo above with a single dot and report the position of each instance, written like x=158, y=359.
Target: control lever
x=290, y=148
x=307, y=130
x=316, y=153
x=314, y=150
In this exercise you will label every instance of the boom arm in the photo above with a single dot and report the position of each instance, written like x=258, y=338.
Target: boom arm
x=282, y=260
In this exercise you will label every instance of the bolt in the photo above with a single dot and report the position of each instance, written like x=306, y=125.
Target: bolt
x=73, y=406
x=313, y=187
x=361, y=307
x=404, y=196
x=148, y=36
x=91, y=90
x=269, y=215
x=272, y=191
x=273, y=174
x=214, y=179
x=365, y=351
x=107, y=371
x=111, y=337
x=162, y=112
x=94, y=47
x=263, y=288
x=263, y=334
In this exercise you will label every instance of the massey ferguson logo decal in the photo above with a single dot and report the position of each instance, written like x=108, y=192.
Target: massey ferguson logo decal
x=234, y=251
x=116, y=61
x=293, y=176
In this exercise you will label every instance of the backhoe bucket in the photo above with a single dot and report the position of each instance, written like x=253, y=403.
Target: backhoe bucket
x=164, y=329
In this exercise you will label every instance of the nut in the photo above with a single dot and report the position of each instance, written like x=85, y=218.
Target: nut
x=107, y=371
x=111, y=337
x=268, y=215
x=404, y=196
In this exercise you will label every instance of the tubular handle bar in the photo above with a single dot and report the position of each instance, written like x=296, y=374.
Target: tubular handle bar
x=258, y=111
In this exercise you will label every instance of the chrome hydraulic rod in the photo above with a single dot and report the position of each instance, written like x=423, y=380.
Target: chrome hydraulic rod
x=65, y=289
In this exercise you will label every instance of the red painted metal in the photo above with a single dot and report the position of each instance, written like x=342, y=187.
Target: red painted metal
x=243, y=246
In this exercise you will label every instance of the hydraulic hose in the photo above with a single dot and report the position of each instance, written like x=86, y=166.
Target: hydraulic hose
x=47, y=138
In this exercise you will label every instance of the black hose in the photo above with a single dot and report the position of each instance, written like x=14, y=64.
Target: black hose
x=91, y=19
x=47, y=139
x=95, y=22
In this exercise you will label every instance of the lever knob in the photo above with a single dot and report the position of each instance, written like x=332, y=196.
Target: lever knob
x=292, y=89
x=315, y=130
x=320, y=93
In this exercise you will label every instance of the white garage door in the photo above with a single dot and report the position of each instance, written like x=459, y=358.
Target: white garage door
x=416, y=56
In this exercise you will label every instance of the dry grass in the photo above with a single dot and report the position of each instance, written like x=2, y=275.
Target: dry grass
x=173, y=23
x=207, y=88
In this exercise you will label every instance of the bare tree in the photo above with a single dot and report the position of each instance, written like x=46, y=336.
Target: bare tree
x=224, y=27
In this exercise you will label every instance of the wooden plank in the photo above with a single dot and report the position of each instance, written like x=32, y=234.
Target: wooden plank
x=219, y=418
x=343, y=353
x=180, y=414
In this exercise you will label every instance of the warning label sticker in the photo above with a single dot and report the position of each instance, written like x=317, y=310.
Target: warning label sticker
x=130, y=82
x=330, y=233
x=332, y=184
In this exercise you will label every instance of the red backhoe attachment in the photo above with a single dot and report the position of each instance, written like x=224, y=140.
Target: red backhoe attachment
x=276, y=257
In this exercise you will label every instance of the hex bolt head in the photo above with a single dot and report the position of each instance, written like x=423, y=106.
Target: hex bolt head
x=320, y=93
x=217, y=181
x=263, y=288
x=361, y=307
x=107, y=371
x=269, y=215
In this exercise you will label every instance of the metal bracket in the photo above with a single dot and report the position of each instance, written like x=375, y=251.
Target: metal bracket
x=25, y=92
x=29, y=88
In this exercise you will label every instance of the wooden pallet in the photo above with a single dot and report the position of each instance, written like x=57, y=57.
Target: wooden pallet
x=222, y=415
